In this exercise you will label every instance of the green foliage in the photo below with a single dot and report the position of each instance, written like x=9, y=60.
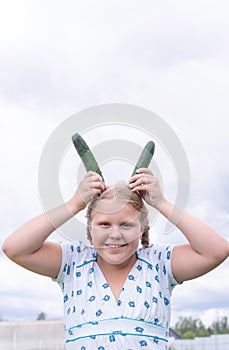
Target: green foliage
x=188, y=335
x=41, y=316
x=190, y=328
x=220, y=326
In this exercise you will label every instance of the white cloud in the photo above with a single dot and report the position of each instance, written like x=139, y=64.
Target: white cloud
x=25, y=294
x=199, y=297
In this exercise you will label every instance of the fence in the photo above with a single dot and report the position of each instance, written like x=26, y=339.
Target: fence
x=214, y=342
x=37, y=335
x=49, y=335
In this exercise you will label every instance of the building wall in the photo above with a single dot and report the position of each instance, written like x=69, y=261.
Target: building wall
x=37, y=335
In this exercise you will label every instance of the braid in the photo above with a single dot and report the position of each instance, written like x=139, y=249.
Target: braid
x=90, y=209
x=145, y=238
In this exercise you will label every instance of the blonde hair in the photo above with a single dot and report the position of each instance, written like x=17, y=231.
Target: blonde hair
x=123, y=193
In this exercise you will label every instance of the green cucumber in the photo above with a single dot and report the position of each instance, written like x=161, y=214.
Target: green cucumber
x=86, y=155
x=145, y=157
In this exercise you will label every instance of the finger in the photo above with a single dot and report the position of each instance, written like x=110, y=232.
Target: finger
x=94, y=176
x=144, y=170
x=136, y=178
x=97, y=177
x=140, y=173
x=136, y=183
x=98, y=191
x=140, y=188
x=146, y=180
x=99, y=185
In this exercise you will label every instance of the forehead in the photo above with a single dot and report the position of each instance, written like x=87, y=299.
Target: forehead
x=115, y=208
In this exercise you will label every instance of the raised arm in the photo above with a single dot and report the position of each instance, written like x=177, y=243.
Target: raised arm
x=28, y=245
x=205, y=249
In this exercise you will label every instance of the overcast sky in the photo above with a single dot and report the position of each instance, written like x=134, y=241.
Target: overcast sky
x=58, y=58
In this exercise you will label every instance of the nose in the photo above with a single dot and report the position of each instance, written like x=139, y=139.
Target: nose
x=115, y=233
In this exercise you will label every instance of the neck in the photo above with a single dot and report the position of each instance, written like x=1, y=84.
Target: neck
x=113, y=268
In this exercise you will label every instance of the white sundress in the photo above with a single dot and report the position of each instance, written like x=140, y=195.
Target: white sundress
x=94, y=320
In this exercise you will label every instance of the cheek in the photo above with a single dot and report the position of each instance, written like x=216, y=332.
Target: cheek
x=132, y=236
x=97, y=235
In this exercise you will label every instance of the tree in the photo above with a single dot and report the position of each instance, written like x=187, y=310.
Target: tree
x=188, y=335
x=190, y=328
x=41, y=316
x=202, y=331
x=220, y=326
x=186, y=325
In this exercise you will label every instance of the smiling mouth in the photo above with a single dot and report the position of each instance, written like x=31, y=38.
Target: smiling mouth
x=115, y=246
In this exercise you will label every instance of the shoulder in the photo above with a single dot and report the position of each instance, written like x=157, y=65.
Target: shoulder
x=74, y=255
x=158, y=259
x=77, y=252
x=155, y=253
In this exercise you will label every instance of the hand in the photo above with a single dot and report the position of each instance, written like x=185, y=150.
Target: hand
x=148, y=186
x=90, y=185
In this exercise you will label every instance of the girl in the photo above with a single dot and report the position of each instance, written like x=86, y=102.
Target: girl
x=116, y=295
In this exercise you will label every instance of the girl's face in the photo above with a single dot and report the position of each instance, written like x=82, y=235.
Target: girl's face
x=115, y=231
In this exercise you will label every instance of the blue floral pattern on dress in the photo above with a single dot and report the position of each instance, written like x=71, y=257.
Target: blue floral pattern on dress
x=94, y=319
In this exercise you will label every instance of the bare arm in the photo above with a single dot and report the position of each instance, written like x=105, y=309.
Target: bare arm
x=28, y=245
x=205, y=249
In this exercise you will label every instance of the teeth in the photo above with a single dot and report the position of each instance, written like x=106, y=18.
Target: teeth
x=114, y=245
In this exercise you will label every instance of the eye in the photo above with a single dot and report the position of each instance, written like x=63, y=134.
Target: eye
x=104, y=224
x=126, y=225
